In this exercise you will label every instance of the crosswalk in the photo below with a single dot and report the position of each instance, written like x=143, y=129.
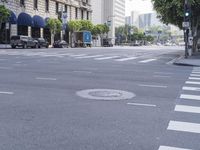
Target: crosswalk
x=191, y=96
x=142, y=58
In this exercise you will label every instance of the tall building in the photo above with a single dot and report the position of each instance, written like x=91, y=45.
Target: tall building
x=29, y=17
x=133, y=20
x=111, y=12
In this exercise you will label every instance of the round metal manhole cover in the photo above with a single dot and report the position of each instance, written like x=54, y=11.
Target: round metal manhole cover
x=105, y=94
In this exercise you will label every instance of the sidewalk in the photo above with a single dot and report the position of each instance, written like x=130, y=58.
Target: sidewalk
x=5, y=46
x=190, y=61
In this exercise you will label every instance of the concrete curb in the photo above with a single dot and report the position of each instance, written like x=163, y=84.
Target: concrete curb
x=180, y=62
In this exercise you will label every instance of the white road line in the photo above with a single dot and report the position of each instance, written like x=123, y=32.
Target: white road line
x=140, y=104
x=105, y=58
x=184, y=126
x=192, y=82
x=171, y=148
x=77, y=55
x=195, y=72
x=148, y=60
x=5, y=67
x=191, y=97
x=188, y=109
x=194, y=78
x=94, y=56
x=165, y=73
x=41, y=78
x=153, y=86
x=8, y=93
x=126, y=59
x=195, y=75
x=159, y=76
x=186, y=88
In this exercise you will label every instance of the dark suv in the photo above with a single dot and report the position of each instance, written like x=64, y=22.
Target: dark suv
x=23, y=41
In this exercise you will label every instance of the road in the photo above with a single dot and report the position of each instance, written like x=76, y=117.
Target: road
x=117, y=98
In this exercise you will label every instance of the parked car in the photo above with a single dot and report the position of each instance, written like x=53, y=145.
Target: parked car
x=107, y=42
x=23, y=41
x=42, y=42
x=60, y=44
x=198, y=44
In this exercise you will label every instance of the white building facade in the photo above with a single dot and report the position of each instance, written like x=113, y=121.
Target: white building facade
x=111, y=12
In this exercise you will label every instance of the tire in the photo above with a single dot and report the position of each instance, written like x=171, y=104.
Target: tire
x=25, y=45
x=13, y=46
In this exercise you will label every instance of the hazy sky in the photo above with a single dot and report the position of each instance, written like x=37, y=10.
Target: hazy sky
x=143, y=6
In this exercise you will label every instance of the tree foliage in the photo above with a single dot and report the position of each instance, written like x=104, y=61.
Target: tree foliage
x=54, y=25
x=4, y=14
x=74, y=25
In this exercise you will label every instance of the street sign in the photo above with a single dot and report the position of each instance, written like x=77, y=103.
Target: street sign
x=109, y=23
x=186, y=24
x=7, y=25
x=190, y=41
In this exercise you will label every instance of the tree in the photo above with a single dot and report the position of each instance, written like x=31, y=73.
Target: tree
x=55, y=27
x=4, y=14
x=172, y=13
x=86, y=25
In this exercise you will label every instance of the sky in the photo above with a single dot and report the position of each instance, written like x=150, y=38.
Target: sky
x=143, y=6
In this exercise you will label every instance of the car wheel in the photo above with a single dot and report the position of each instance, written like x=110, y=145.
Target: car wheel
x=13, y=46
x=25, y=46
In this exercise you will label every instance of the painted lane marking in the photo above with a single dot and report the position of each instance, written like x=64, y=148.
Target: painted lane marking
x=171, y=148
x=184, y=126
x=194, y=78
x=165, y=73
x=148, y=60
x=195, y=72
x=191, y=97
x=126, y=59
x=153, y=86
x=105, y=58
x=195, y=75
x=41, y=78
x=94, y=56
x=191, y=82
x=8, y=93
x=77, y=55
x=159, y=76
x=189, y=109
x=82, y=72
x=140, y=104
x=5, y=68
x=186, y=88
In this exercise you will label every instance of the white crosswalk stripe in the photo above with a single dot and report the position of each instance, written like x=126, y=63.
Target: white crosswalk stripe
x=171, y=148
x=190, y=97
x=186, y=88
x=195, y=75
x=194, y=78
x=126, y=59
x=92, y=56
x=146, y=61
x=189, y=109
x=105, y=58
x=192, y=82
x=184, y=126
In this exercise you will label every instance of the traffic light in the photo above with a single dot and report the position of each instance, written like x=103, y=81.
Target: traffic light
x=187, y=12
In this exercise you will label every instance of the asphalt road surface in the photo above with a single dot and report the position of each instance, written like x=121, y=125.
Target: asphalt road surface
x=117, y=98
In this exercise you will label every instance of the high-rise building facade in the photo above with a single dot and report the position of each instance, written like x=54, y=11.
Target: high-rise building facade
x=111, y=12
x=29, y=17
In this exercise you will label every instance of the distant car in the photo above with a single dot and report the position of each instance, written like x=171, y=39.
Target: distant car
x=23, y=41
x=107, y=43
x=60, y=44
x=42, y=42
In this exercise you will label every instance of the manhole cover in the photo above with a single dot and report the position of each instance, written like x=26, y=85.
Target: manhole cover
x=105, y=94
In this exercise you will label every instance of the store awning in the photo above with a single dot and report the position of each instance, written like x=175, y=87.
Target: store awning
x=25, y=19
x=12, y=18
x=46, y=20
x=38, y=22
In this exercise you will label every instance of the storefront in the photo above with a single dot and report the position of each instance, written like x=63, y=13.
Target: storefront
x=37, y=28
x=24, y=22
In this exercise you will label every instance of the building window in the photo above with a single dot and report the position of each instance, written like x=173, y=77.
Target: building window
x=35, y=4
x=47, y=5
x=82, y=14
x=65, y=8
x=76, y=13
x=22, y=3
x=88, y=15
x=57, y=7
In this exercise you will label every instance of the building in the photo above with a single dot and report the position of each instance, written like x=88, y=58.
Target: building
x=29, y=17
x=133, y=20
x=111, y=12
